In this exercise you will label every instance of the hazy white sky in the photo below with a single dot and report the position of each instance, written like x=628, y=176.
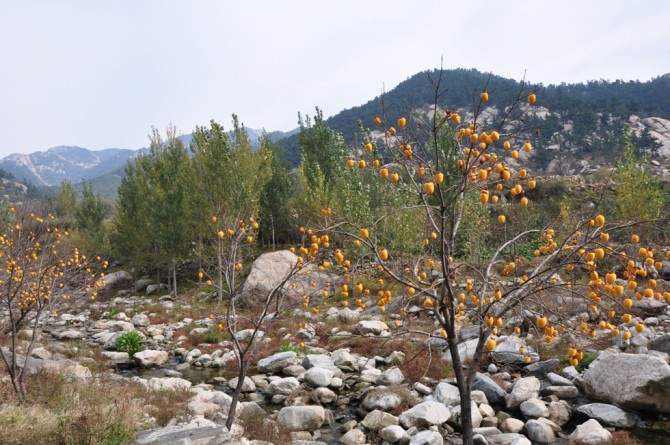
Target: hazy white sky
x=100, y=73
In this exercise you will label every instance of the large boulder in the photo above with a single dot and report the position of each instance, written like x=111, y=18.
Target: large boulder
x=301, y=418
x=609, y=414
x=447, y=394
x=636, y=381
x=270, y=269
x=540, y=432
x=427, y=438
x=116, y=280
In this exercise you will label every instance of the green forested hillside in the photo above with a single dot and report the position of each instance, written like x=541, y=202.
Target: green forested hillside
x=587, y=105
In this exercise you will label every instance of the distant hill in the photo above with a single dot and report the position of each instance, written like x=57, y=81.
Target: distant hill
x=102, y=168
x=73, y=163
x=586, y=118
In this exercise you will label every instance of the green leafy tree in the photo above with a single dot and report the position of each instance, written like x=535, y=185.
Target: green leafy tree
x=639, y=194
x=90, y=216
x=275, y=224
x=66, y=200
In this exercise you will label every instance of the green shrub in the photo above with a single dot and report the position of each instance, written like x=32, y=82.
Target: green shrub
x=130, y=342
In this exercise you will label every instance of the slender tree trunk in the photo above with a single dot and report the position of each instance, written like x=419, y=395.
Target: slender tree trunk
x=236, y=395
x=219, y=276
x=174, y=277
x=464, y=392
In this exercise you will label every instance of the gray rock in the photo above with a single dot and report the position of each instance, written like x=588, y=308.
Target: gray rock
x=507, y=351
x=393, y=434
x=392, y=376
x=427, y=438
x=542, y=368
x=270, y=269
x=282, y=387
x=661, y=343
x=321, y=361
x=318, y=377
x=508, y=439
x=525, y=388
x=277, y=362
x=534, y=408
x=70, y=334
x=116, y=280
x=301, y=418
x=353, y=437
x=372, y=327
x=609, y=414
x=425, y=414
x=447, y=394
x=591, y=433
x=173, y=435
x=539, y=432
x=248, y=385
x=140, y=320
x=382, y=400
x=557, y=380
x=141, y=284
x=346, y=315
x=324, y=395
x=635, y=381
x=511, y=425
x=150, y=358
x=562, y=392
x=377, y=420
x=422, y=389
x=494, y=393
x=559, y=412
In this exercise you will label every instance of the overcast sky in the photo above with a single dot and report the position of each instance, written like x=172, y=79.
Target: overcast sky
x=99, y=74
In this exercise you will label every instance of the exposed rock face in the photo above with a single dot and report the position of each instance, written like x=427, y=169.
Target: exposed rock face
x=270, y=269
x=301, y=418
x=637, y=381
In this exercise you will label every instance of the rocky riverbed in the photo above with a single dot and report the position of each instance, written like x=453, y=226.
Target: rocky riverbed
x=322, y=395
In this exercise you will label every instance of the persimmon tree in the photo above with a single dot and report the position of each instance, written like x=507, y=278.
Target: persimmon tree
x=233, y=242
x=40, y=272
x=438, y=159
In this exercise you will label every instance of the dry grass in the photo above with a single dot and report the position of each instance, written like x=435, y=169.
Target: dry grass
x=258, y=427
x=62, y=412
x=623, y=437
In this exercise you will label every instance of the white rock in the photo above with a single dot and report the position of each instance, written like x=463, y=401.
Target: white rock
x=149, y=358
x=591, y=433
x=525, y=388
x=301, y=418
x=636, y=381
x=425, y=414
x=318, y=377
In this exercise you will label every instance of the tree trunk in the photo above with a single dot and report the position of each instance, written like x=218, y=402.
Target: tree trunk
x=236, y=396
x=219, y=276
x=174, y=278
x=464, y=393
